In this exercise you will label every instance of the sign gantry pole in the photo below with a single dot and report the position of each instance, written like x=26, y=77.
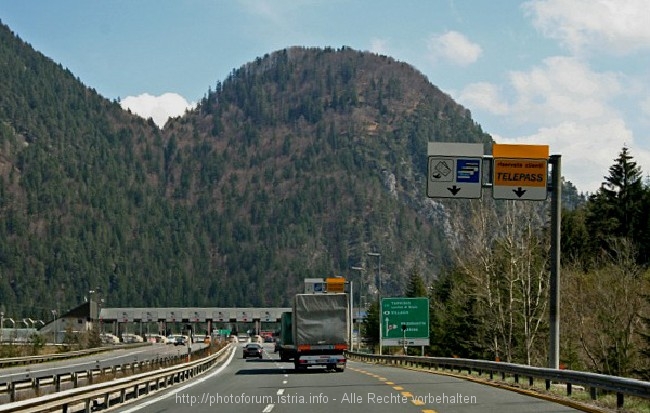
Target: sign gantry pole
x=554, y=280
x=518, y=172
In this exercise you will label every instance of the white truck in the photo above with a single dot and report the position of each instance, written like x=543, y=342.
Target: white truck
x=319, y=325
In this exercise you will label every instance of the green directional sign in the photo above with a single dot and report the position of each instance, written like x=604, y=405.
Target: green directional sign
x=405, y=321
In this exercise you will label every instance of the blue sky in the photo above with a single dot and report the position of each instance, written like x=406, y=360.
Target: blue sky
x=571, y=74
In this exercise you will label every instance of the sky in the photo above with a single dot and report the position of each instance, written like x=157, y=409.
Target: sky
x=571, y=74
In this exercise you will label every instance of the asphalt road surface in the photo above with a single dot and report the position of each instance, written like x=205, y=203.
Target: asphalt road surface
x=268, y=385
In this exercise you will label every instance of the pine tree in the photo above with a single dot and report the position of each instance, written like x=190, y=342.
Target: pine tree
x=615, y=209
x=416, y=286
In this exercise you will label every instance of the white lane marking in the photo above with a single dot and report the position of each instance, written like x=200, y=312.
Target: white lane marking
x=187, y=386
x=280, y=392
x=268, y=408
x=284, y=382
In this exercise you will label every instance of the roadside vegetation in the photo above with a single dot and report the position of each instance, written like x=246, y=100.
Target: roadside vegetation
x=493, y=302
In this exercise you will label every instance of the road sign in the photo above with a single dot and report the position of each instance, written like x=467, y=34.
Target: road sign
x=413, y=313
x=335, y=284
x=454, y=170
x=520, y=172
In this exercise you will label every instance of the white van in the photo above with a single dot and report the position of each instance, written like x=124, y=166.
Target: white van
x=131, y=338
x=108, y=338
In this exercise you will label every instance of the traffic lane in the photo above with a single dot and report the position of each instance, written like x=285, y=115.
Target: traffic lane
x=109, y=358
x=239, y=385
x=318, y=391
x=447, y=394
x=269, y=386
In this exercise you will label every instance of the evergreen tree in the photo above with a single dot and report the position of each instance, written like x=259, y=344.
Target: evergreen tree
x=372, y=324
x=416, y=286
x=615, y=210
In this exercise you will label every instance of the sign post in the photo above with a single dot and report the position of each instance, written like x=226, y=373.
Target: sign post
x=519, y=172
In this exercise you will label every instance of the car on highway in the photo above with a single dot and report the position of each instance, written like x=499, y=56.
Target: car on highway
x=253, y=350
x=177, y=339
x=131, y=338
x=107, y=338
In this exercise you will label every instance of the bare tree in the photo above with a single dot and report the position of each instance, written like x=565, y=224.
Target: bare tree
x=503, y=252
x=604, y=309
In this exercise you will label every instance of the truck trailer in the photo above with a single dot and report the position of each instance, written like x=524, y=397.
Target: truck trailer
x=315, y=332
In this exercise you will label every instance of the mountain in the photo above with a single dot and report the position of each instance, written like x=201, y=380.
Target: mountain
x=295, y=166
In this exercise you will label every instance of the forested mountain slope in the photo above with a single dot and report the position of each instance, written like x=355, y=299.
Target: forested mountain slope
x=295, y=166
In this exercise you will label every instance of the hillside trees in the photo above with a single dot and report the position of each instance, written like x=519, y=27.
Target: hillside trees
x=500, y=280
x=602, y=312
x=605, y=278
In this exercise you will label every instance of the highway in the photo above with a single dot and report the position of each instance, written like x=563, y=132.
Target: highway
x=268, y=385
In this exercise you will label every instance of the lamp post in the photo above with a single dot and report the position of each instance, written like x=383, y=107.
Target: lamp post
x=351, y=315
x=378, y=255
x=361, y=301
x=2, y=325
x=54, y=328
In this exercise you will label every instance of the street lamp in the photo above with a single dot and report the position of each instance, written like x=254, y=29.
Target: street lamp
x=361, y=301
x=378, y=255
x=54, y=313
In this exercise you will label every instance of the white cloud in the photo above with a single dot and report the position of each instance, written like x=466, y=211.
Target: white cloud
x=159, y=108
x=379, y=46
x=560, y=89
x=563, y=89
x=568, y=106
x=587, y=149
x=645, y=106
x=485, y=96
x=453, y=47
x=611, y=26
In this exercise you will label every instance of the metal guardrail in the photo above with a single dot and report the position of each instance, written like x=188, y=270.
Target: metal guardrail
x=19, y=385
x=19, y=361
x=621, y=386
x=105, y=395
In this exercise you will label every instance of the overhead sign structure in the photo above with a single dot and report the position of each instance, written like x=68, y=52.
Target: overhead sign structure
x=454, y=170
x=520, y=172
x=405, y=321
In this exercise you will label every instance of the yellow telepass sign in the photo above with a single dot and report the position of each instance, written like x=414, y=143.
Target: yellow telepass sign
x=520, y=172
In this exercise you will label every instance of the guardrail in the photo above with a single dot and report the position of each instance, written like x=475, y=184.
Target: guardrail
x=19, y=361
x=105, y=395
x=31, y=384
x=595, y=382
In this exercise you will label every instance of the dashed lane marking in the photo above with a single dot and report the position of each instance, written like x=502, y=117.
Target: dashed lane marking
x=407, y=394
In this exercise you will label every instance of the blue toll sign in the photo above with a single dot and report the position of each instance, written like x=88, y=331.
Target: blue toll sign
x=468, y=170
